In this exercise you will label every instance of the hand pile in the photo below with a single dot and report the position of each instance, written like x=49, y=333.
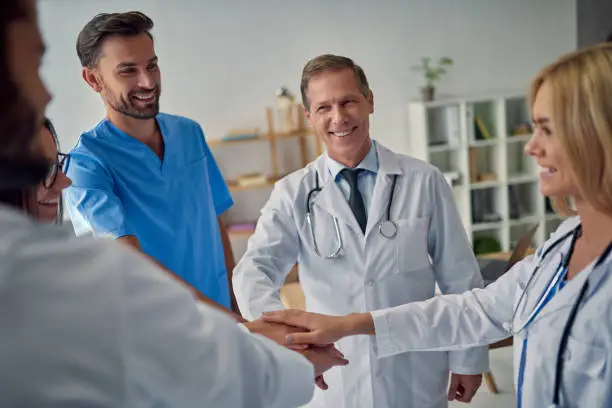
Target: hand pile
x=323, y=356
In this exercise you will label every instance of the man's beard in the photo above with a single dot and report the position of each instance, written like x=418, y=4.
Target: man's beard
x=128, y=107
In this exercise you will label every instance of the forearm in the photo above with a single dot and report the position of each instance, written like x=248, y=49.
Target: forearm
x=442, y=323
x=286, y=377
x=230, y=263
x=132, y=242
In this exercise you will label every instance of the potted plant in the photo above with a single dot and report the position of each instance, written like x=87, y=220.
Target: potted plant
x=432, y=73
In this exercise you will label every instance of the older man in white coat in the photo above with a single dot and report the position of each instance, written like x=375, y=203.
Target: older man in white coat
x=89, y=323
x=370, y=229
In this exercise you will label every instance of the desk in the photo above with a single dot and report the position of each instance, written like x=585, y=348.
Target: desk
x=292, y=296
x=504, y=256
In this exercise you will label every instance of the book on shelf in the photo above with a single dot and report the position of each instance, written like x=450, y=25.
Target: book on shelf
x=480, y=129
x=514, y=208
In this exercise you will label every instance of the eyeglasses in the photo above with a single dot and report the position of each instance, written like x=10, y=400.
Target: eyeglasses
x=61, y=163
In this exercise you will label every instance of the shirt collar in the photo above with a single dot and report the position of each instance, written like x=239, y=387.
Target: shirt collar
x=369, y=163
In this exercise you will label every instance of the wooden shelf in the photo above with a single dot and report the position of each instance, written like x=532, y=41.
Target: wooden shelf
x=263, y=137
x=484, y=226
x=484, y=143
x=479, y=185
x=523, y=178
x=236, y=187
x=518, y=138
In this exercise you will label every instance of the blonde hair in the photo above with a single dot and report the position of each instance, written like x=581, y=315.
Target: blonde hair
x=581, y=86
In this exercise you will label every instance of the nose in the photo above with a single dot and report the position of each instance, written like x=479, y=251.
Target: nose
x=339, y=115
x=62, y=181
x=146, y=80
x=533, y=147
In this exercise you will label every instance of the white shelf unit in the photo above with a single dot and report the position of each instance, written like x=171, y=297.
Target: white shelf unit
x=445, y=134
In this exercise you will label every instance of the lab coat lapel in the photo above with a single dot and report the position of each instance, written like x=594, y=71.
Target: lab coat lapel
x=537, y=288
x=388, y=167
x=331, y=200
x=543, y=275
x=569, y=294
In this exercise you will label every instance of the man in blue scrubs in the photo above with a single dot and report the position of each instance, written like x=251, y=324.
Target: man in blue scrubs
x=143, y=177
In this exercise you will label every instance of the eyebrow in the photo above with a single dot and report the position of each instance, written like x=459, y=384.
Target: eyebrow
x=541, y=121
x=133, y=64
x=343, y=99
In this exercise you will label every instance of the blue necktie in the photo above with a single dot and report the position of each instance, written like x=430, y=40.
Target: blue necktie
x=355, y=198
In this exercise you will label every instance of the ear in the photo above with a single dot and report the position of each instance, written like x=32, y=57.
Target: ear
x=307, y=113
x=92, y=79
x=371, y=101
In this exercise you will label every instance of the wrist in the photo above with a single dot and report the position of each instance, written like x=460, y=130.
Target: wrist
x=358, y=323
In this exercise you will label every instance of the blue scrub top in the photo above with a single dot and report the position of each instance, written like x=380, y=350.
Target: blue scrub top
x=121, y=187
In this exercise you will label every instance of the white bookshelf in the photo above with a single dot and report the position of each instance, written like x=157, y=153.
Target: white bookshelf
x=444, y=133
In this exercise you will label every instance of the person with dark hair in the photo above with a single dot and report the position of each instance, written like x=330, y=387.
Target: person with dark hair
x=23, y=98
x=91, y=323
x=145, y=178
x=49, y=192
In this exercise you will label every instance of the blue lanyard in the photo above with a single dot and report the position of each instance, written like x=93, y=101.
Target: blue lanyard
x=555, y=284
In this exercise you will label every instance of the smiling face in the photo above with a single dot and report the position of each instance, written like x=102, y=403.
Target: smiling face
x=556, y=177
x=339, y=113
x=127, y=76
x=47, y=199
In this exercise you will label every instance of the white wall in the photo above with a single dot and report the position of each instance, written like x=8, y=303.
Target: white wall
x=223, y=60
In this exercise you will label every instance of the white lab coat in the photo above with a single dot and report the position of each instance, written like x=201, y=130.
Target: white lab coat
x=88, y=323
x=372, y=273
x=482, y=316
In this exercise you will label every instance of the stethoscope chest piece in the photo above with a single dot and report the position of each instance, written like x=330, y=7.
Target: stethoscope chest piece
x=388, y=229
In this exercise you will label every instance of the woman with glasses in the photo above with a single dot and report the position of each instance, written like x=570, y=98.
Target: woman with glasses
x=49, y=192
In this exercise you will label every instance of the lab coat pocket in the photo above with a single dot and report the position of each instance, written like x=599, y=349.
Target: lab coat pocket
x=411, y=244
x=584, y=370
x=584, y=366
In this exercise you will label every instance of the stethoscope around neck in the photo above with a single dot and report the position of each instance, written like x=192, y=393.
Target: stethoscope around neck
x=387, y=227
x=575, y=234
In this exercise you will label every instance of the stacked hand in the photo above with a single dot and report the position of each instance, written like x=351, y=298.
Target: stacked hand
x=317, y=329
x=322, y=357
x=277, y=332
x=321, y=331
